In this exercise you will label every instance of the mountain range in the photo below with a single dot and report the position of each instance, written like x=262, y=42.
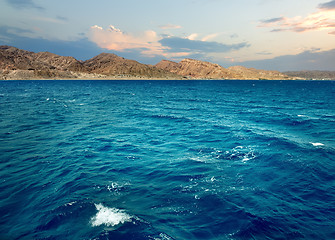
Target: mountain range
x=21, y=64
x=312, y=75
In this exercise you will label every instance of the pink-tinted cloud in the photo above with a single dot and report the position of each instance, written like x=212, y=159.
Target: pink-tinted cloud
x=114, y=39
x=323, y=19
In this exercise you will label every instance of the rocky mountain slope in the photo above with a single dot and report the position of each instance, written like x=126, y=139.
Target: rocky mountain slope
x=111, y=65
x=20, y=64
x=204, y=70
x=13, y=58
x=195, y=69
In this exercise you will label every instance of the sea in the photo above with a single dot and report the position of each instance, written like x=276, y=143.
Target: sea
x=162, y=160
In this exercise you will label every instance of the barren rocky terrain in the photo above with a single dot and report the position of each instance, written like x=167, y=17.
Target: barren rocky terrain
x=21, y=64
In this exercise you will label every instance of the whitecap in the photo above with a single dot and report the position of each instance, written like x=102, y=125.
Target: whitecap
x=109, y=216
x=317, y=144
x=198, y=159
x=70, y=203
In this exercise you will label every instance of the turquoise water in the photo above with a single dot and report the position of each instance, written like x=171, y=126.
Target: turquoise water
x=167, y=159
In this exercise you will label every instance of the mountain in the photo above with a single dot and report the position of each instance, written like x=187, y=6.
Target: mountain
x=12, y=58
x=315, y=75
x=195, y=69
x=20, y=64
x=113, y=65
x=204, y=70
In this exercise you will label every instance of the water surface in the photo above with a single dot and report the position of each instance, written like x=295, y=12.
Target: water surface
x=167, y=159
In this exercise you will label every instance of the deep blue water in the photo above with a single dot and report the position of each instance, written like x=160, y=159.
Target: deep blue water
x=167, y=160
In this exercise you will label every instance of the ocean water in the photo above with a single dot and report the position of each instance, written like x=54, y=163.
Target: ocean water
x=167, y=160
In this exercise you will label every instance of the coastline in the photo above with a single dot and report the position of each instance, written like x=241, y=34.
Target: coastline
x=12, y=75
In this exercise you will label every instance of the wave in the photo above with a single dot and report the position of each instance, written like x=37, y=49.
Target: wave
x=109, y=216
x=316, y=144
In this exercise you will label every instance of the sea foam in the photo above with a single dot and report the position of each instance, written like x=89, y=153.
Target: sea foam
x=317, y=144
x=109, y=216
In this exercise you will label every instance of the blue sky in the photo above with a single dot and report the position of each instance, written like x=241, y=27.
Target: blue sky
x=267, y=34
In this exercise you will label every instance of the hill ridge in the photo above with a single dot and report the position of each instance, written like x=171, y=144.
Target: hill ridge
x=20, y=64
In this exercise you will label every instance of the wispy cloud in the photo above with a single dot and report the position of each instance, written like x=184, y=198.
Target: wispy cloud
x=328, y=5
x=49, y=19
x=264, y=53
x=22, y=4
x=209, y=37
x=170, y=26
x=322, y=19
x=186, y=45
x=311, y=59
x=272, y=20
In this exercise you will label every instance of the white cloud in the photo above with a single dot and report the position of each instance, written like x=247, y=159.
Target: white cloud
x=113, y=29
x=193, y=36
x=114, y=39
x=96, y=27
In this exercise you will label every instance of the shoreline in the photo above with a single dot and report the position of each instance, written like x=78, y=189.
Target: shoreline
x=159, y=79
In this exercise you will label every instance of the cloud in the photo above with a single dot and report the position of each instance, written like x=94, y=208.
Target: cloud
x=149, y=43
x=328, y=5
x=170, y=26
x=264, y=53
x=235, y=35
x=312, y=59
x=82, y=49
x=323, y=19
x=64, y=19
x=272, y=20
x=114, y=39
x=22, y=4
x=49, y=20
x=211, y=36
x=11, y=33
x=177, y=44
x=193, y=36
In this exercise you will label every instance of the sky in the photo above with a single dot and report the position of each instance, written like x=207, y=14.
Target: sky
x=282, y=35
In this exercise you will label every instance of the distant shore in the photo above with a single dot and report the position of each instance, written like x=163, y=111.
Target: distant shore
x=18, y=64
x=71, y=75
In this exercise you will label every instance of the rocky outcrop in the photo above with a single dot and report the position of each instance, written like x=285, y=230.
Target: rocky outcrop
x=12, y=58
x=111, y=65
x=59, y=62
x=195, y=69
x=240, y=72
